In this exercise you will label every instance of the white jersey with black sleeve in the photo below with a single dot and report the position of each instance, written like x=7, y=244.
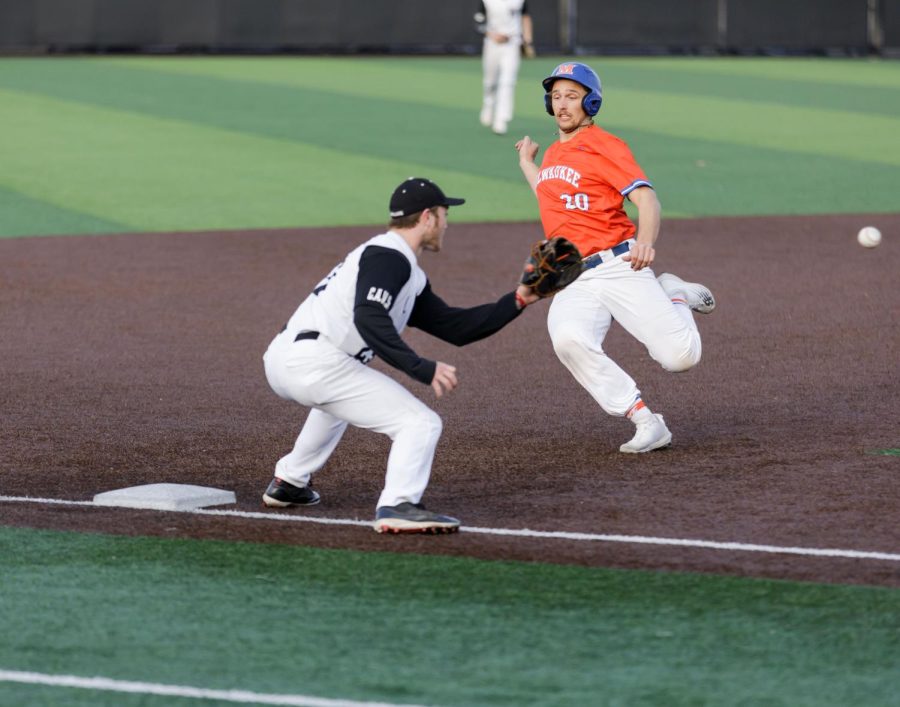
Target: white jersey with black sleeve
x=365, y=302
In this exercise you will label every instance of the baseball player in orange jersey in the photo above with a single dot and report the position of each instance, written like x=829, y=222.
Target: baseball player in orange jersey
x=581, y=186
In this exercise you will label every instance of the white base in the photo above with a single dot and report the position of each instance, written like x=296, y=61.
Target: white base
x=166, y=497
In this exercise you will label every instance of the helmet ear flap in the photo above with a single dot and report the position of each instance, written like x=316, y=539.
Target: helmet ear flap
x=548, y=103
x=591, y=103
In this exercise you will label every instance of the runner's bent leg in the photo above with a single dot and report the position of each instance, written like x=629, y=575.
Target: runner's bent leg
x=578, y=323
x=644, y=310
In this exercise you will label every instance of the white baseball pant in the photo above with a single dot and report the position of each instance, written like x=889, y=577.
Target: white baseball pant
x=341, y=390
x=580, y=317
x=500, y=63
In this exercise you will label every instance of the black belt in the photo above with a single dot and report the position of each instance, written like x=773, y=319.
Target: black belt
x=592, y=261
x=364, y=355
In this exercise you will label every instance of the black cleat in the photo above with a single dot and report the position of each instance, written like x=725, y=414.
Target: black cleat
x=412, y=518
x=281, y=494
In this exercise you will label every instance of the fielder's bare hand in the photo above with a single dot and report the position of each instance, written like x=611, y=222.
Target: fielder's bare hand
x=444, y=378
x=525, y=296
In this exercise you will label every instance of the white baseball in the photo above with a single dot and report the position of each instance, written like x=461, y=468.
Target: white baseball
x=869, y=237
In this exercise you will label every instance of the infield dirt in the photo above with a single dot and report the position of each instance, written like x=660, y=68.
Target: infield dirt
x=136, y=359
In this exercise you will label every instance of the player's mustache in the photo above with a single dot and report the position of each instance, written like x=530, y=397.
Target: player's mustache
x=589, y=121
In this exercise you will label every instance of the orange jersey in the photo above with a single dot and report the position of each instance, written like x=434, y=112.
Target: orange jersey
x=581, y=189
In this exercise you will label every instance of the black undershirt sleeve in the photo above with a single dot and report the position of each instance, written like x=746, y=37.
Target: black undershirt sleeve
x=461, y=326
x=382, y=274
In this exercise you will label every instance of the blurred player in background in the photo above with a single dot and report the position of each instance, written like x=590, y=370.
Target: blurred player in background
x=508, y=34
x=581, y=186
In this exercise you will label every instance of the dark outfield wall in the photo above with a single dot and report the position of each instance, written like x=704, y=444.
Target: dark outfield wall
x=445, y=26
x=250, y=25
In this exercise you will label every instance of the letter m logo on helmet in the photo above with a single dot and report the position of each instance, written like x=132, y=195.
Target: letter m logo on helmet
x=581, y=74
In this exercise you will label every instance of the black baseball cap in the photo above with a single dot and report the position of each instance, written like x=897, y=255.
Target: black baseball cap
x=417, y=194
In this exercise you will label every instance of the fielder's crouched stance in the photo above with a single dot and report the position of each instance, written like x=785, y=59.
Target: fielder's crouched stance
x=357, y=312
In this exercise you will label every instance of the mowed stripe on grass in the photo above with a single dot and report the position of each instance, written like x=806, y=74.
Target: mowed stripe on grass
x=205, y=143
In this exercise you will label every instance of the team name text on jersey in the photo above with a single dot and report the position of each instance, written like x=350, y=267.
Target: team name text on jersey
x=377, y=294
x=560, y=171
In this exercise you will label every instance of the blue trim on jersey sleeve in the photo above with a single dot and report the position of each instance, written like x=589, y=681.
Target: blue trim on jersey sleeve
x=634, y=185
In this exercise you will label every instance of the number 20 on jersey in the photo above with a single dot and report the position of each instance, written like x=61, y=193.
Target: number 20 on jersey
x=576, y=201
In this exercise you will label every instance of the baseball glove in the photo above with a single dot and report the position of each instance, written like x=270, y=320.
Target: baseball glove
x=552, y=265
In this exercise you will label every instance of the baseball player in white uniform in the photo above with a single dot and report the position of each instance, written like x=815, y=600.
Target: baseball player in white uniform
x=507, y=29
x=355, y=313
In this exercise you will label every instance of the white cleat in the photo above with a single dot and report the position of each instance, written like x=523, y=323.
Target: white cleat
x=485, y=118
x=651, y=434
x=698, y=297
x=499, y=128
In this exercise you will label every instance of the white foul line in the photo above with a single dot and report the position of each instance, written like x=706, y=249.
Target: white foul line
x=151, y=688
x=524, y=532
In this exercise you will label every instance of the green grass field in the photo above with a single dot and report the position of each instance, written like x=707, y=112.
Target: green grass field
x=424, y=630
x=131, y=144
x=149, y=144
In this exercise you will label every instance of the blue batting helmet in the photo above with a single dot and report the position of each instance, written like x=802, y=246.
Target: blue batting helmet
x=580, y=74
